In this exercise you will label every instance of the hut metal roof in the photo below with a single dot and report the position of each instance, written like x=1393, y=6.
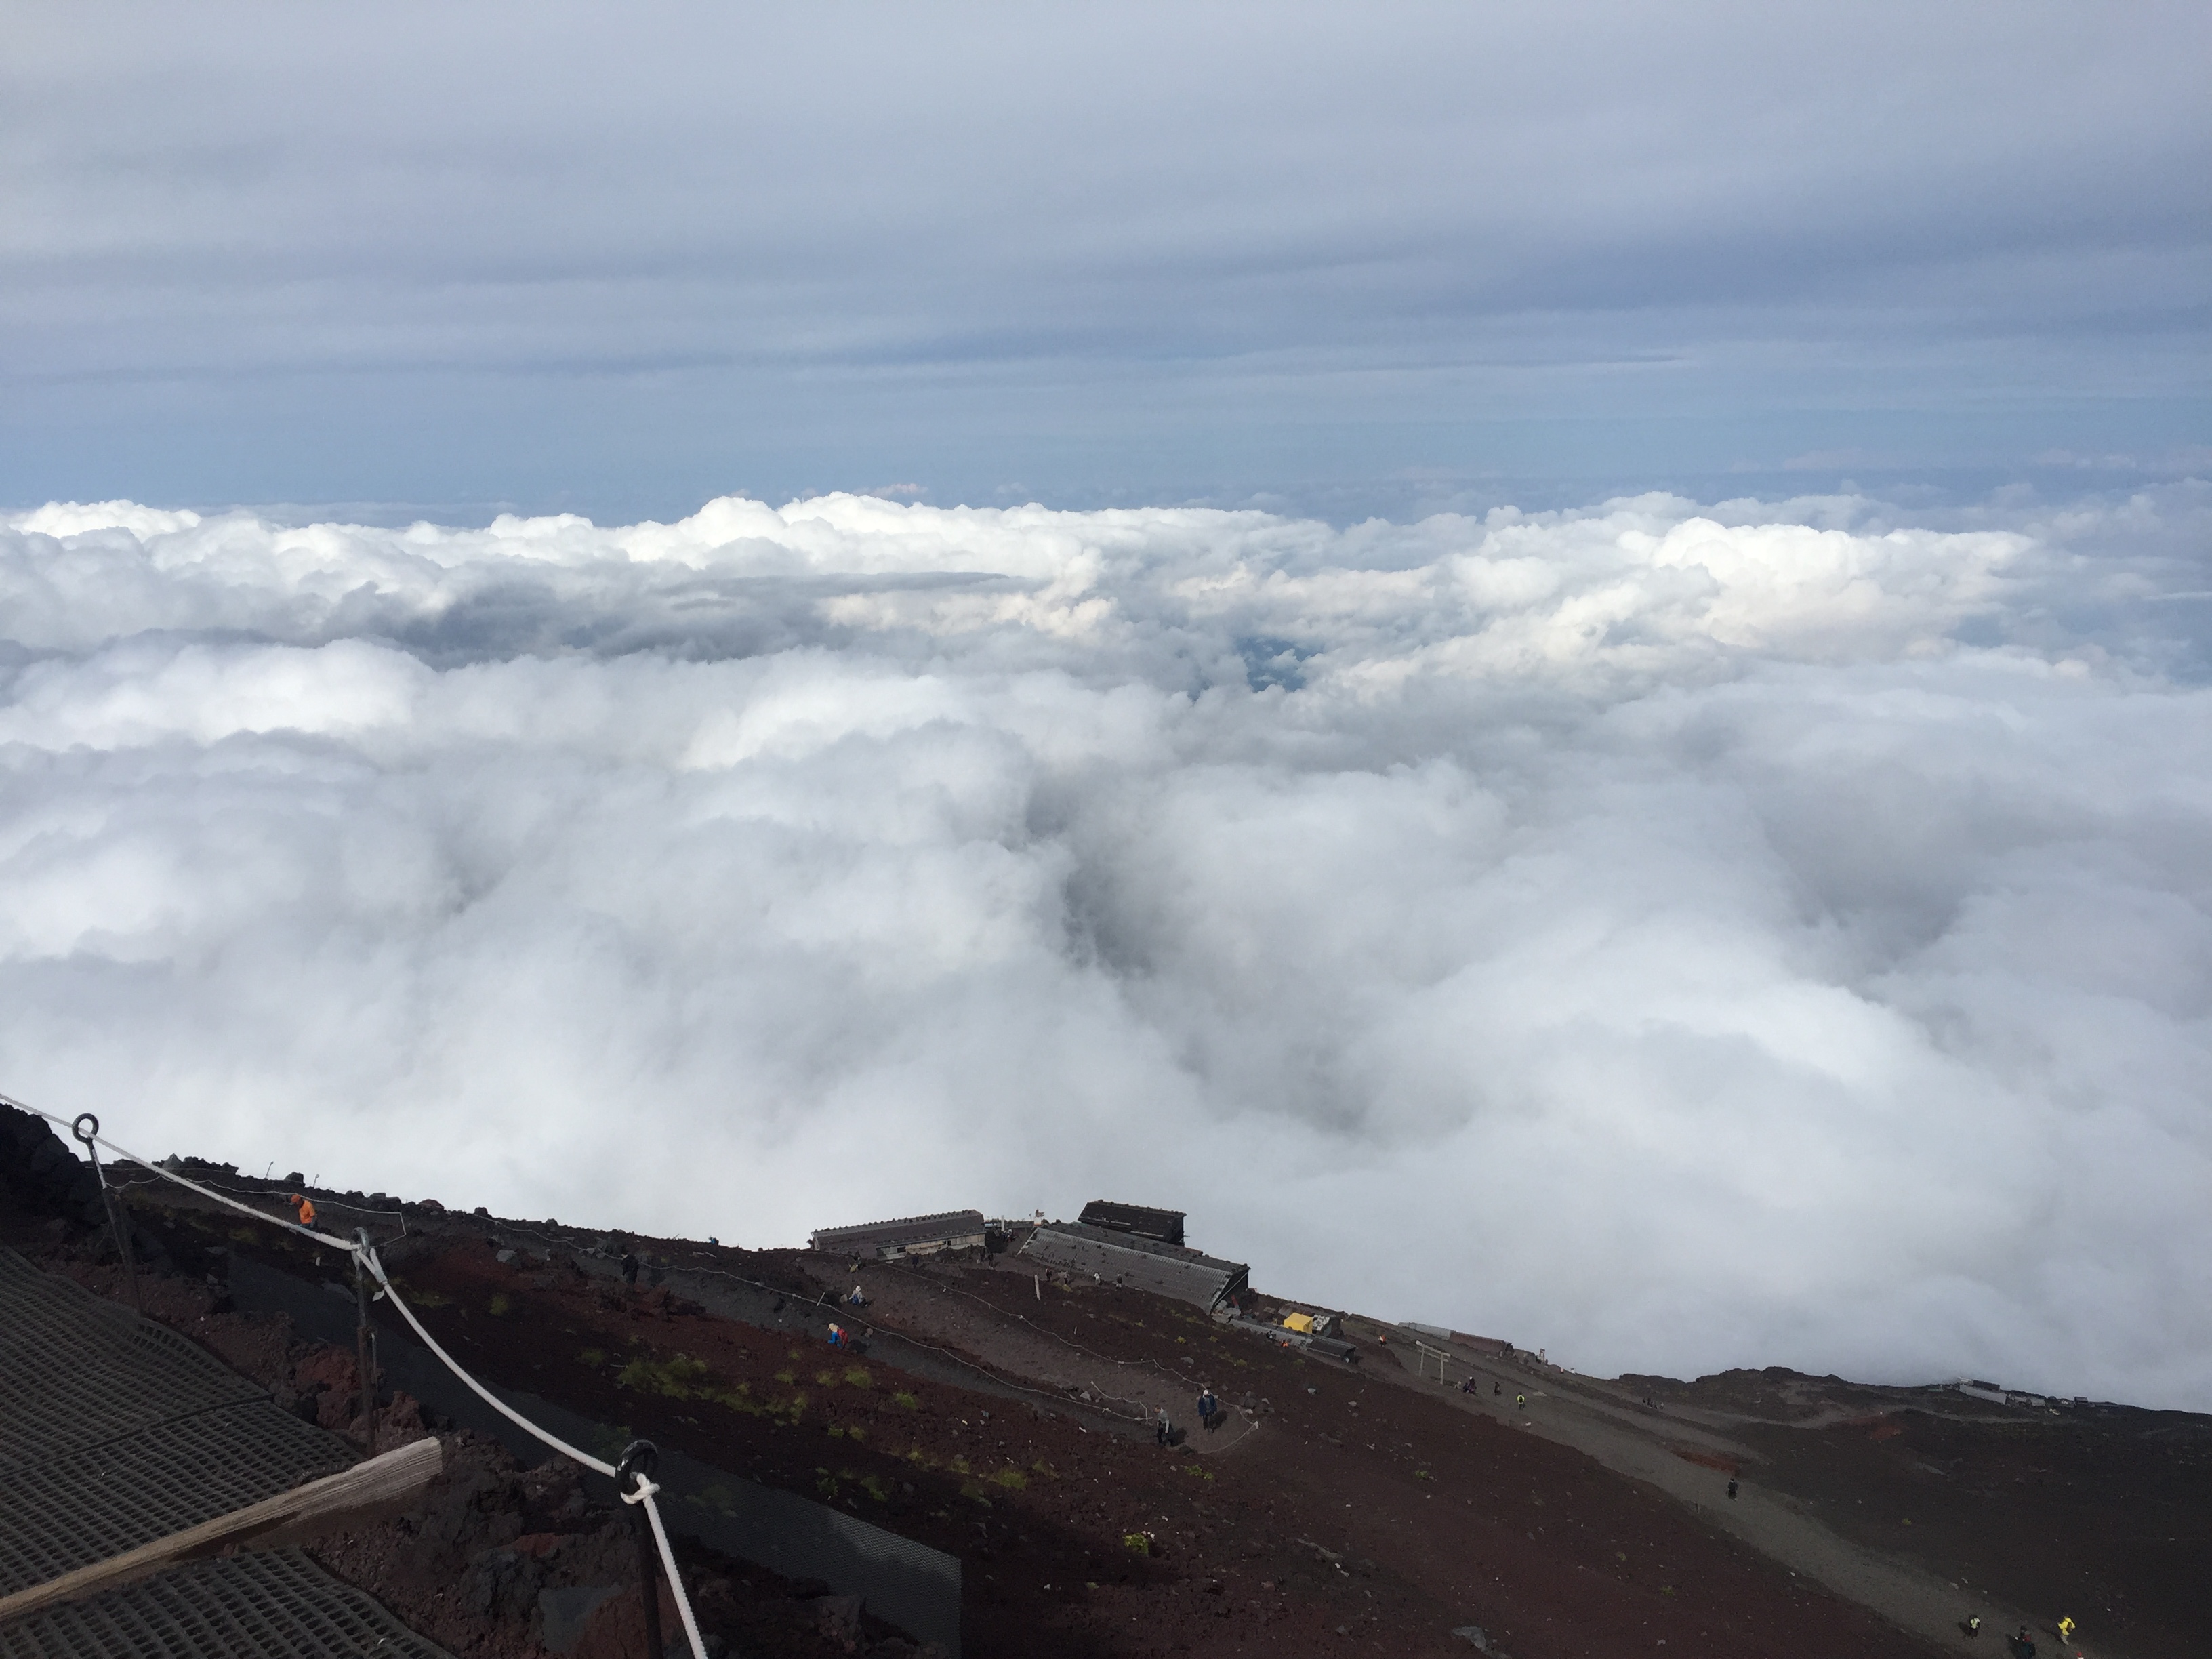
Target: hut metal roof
x=1141, y=1264
x=1166, y=1225
x=907, y=1230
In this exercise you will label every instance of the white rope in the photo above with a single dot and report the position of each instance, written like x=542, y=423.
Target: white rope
x=644, y=1495
x=369, y=1260
x=343, y=1246
x=363, y=1252
x=366, y=1255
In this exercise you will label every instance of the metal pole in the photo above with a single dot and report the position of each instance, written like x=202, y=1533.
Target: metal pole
x=639, y=1459
x=85, y=1128
x=364, y=1346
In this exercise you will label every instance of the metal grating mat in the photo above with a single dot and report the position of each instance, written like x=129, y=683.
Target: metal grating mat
x=87, y=1505
x=76, y=1372
x=273, y=1606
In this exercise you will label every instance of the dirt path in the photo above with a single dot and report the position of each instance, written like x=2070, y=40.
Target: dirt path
x=933, y=1307
x=1668, y=1449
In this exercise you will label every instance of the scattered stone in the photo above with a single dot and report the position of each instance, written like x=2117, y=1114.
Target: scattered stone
x=499, y=1584
x=838, y=1617
x=562, y=1613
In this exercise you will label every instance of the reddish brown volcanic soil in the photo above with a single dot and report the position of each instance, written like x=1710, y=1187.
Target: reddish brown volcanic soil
x=1341, y=1509
x=1359, y=1516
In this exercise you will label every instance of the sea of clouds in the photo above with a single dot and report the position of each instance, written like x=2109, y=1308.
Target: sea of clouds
x=1675, y=936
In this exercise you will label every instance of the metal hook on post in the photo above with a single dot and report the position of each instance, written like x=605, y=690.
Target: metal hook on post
x=86, y=1128
x=634, y=1473
x=364, y=1340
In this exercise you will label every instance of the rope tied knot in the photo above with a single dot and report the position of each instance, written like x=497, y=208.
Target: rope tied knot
x=634, y=1473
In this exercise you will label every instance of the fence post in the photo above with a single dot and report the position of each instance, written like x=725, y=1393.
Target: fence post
x=120, y=1227
x=639, y=1459
x=364, y=1340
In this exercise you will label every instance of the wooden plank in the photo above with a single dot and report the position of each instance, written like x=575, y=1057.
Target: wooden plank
x=367, y=1492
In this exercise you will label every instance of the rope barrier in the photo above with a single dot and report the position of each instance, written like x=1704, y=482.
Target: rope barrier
x=344, y=1247
x=361, y=1251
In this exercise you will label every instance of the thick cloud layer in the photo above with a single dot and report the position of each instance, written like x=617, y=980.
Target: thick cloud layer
x=1674, y=937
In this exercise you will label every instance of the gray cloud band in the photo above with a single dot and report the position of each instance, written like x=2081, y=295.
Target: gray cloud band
x=1684, y=938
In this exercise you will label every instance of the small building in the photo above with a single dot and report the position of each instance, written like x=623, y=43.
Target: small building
x=1165, y=1226
x=914, y=1235
x=1497, y=1348
x=1974, y=1388
x=1140, y=1264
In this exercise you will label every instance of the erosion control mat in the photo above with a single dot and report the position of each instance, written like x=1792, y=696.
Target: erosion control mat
x=115, y=1432
x=273, y=1606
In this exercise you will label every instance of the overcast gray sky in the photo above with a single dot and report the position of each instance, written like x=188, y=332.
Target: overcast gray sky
x=1339, y=259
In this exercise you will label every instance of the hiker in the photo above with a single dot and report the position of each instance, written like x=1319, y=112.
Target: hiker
x=1163, y=1430
x=2023, y=1647
x=306, y=1209
x=854, y=1298
x=1495, y=1389
x=837, y=1336
x=629, y=1270
x=2066, y=1631
x=1731, y=1489
x=1973, y=1627
x=1209, y=1409
x=1520, y=1402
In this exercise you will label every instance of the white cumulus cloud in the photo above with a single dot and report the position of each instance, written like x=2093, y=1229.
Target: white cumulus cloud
x=1675, y=935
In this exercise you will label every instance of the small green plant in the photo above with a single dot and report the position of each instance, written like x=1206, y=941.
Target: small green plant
x=500, y=1305
x=1011, y=1480
x=787, y=1377
x=856, y=1377
x=907, y=1400
x=1136, y=1543
x=594, y=1358
x=826, y=1379
x=677, y=1377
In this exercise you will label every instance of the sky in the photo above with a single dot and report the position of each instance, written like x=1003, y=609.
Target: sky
x=447, y=261
x=1551, y=664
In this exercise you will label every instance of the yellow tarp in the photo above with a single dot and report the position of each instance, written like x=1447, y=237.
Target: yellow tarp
x=1299, y=1322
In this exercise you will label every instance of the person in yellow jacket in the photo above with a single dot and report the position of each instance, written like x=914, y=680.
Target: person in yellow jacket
x=2066, y=1630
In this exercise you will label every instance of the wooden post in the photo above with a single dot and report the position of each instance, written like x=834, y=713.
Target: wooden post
x=365, y=1349
x=367, y=1492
